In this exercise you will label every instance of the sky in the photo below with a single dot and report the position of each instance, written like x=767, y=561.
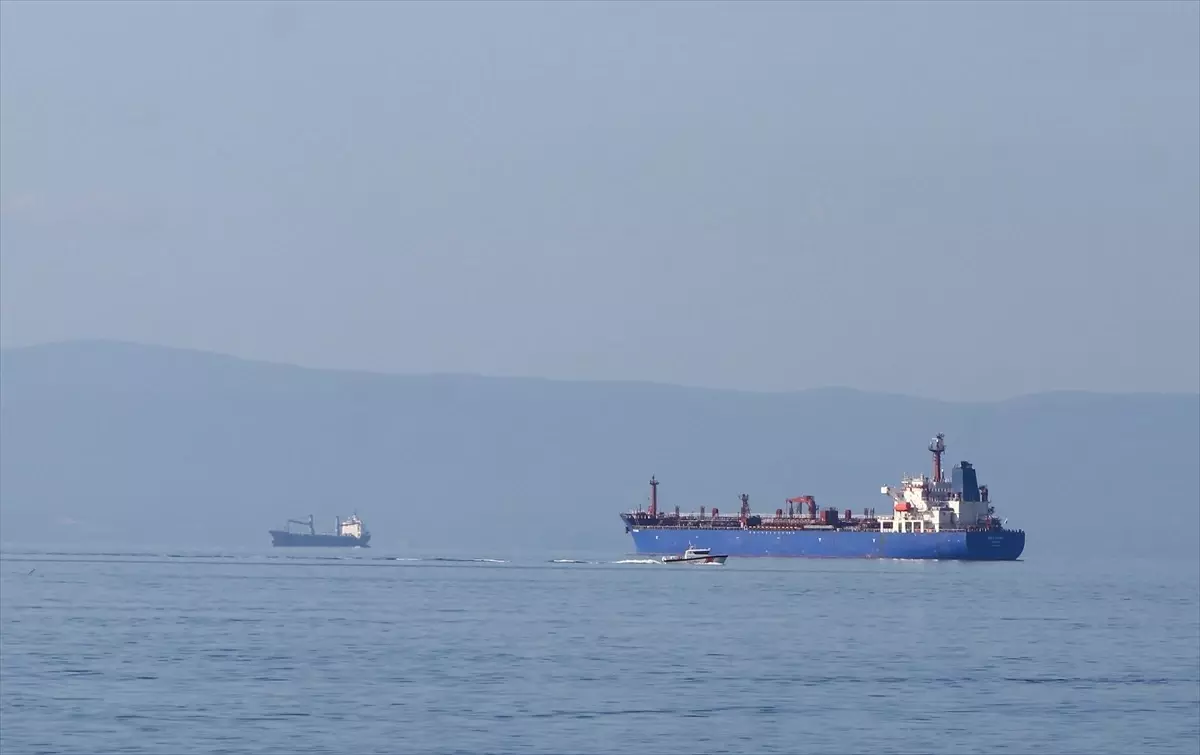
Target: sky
x=953, y=200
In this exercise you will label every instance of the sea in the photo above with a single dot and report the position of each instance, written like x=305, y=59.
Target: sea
x=179, y=652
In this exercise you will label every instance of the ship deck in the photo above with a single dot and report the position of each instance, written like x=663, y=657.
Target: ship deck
x=641, y=520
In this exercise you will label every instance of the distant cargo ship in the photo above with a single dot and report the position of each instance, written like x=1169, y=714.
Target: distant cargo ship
x=348, y=534
x=931, y=518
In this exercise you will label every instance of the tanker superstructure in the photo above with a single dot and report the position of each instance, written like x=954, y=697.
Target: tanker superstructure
x=930, y=518
x=348, y=533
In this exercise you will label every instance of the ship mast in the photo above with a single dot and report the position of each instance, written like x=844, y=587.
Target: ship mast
x=938, y=447
x=653, y=497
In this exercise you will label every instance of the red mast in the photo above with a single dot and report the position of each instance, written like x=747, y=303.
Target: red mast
x=938, y=447
x=653, y=497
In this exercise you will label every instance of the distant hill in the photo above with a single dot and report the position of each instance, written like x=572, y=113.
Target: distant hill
x=119, y=444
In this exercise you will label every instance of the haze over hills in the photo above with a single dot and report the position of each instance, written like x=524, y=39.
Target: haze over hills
x=114, y=444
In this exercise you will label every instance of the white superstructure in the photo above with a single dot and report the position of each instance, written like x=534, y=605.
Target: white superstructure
x=351, y=527
x=933, y=504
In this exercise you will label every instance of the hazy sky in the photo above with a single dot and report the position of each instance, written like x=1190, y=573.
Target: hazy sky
x=947, y=199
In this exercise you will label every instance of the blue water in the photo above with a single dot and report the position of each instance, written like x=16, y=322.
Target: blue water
x=353, y=653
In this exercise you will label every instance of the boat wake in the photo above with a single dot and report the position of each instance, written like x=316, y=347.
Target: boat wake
x=597, y=563
x=282, y=558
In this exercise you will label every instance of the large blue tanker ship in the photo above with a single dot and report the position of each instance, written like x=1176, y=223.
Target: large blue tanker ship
x=930, y=518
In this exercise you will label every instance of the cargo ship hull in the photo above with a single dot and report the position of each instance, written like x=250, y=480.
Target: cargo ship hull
x=988, y=545
x=284, y=539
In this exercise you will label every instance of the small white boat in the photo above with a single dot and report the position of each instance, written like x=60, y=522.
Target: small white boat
x=695, y=555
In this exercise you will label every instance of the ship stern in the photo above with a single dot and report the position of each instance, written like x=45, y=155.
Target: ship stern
x=995, y=545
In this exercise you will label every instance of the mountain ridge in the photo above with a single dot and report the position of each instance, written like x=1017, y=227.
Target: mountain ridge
x=149, y=446
x=68, y=345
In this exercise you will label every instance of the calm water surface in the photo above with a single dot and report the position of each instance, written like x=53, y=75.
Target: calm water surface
x=360, y=653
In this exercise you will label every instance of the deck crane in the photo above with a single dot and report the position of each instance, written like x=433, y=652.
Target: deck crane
x=309, y=523
x=805, y=500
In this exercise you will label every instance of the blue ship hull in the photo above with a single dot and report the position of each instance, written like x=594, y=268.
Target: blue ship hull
x=989, y=545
